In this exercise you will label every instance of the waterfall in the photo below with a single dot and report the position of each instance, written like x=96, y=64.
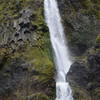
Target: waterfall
x=61, y=54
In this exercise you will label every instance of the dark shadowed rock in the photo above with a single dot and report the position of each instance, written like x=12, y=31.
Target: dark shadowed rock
x=86, y=77
x=78, y=74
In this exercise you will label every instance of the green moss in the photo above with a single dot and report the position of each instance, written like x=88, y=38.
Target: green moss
x=37, y=53
x=98, y=39
x=82, y=58
x=97, y=45
x=97, y=91
x=40, y=61
x=96, y=1
x=91, y=7
x=87, y=3
x=80, y=93
x=38, y=96
x=39, y=57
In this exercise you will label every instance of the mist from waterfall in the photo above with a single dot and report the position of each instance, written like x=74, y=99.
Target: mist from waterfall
x=61, y=53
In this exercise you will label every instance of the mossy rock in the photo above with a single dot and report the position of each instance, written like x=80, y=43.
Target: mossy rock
x=80, y=93
x=38, y=96
x=96, y=94
x=98, y=39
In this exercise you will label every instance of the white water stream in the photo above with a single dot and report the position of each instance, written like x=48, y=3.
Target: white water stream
x=61, y=54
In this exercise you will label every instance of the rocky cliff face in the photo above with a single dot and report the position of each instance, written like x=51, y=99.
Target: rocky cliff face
x=81, y=22
x=26, y=66
x=84, y=78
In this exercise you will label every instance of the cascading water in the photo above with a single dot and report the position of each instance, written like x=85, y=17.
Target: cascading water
x=62, y=61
